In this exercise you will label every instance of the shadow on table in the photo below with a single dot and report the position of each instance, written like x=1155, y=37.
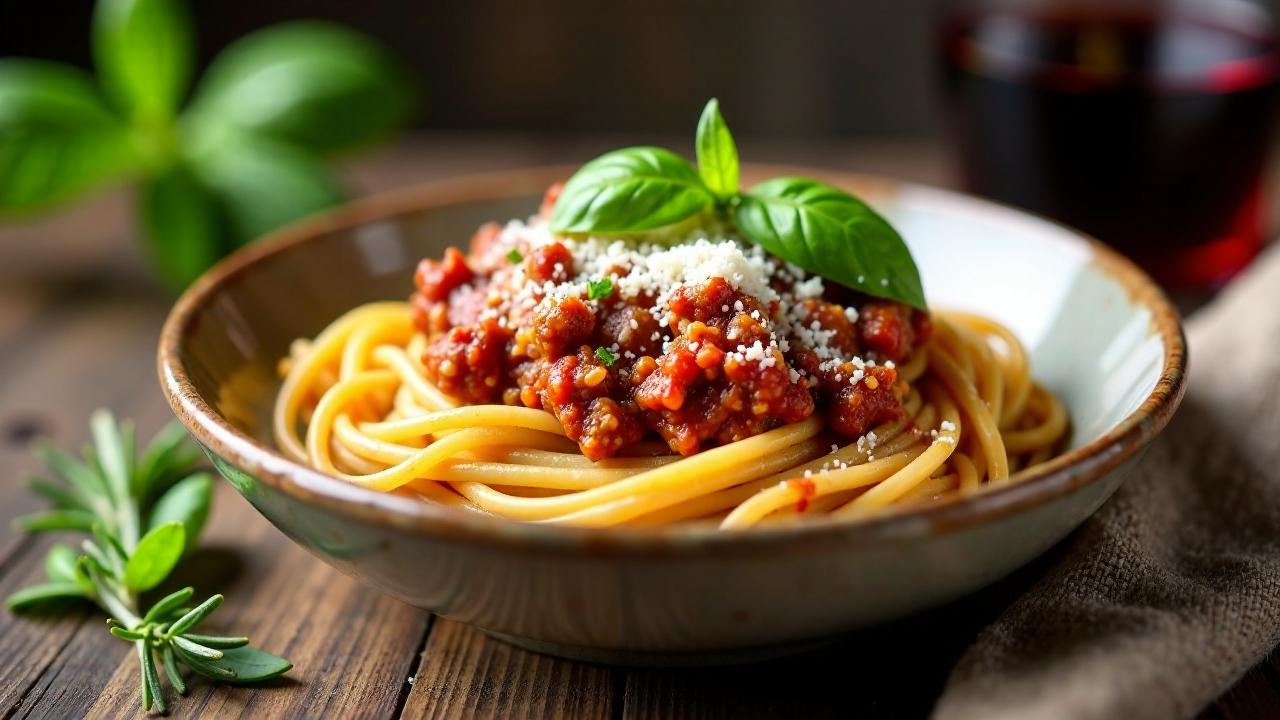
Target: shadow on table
x=207, y=569
x=892, y=671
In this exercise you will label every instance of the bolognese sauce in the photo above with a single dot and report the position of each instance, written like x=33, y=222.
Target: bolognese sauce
x=702, y=340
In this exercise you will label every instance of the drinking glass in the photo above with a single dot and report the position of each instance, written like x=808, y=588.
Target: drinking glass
x=1146, y=124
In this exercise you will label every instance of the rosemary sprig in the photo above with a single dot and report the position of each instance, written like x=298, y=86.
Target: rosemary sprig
x=140, y=514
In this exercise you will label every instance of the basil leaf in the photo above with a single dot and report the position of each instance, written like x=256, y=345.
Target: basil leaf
x=157, y=552
x=188, y=503
x=316, y=85
x=39, y=594
x=262, y=184
x=143, y=51
x=717, y=154
x=251, y=664
x=630, y=190
x=832, y=234
x=183, y=231
x=57, y=136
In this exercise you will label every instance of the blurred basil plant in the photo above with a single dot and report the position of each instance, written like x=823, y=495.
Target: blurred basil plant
x=243, y=156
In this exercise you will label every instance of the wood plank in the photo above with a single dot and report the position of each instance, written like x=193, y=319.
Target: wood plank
x=464, y=673
x=70, y=344
x=353, y=648
x=78, y=323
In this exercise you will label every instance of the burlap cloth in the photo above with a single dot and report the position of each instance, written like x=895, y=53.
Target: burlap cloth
x=1172, y=590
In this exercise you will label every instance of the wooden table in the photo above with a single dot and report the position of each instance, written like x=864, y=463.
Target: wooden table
x=78, y=327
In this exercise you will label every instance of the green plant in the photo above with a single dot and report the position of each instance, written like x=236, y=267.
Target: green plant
x=819, y=227
x=141, y=514
x=241, y=160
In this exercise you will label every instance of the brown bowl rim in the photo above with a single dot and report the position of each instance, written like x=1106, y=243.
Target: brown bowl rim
x=1056, y=478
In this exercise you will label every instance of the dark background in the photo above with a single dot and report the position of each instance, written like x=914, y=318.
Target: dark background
x=809, y=69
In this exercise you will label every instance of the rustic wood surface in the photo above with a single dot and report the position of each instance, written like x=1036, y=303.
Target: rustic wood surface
x=78, y=326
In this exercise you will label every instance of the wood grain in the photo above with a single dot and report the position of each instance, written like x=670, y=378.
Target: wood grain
x=350, y=644
x=78, y=324
x=467, y=674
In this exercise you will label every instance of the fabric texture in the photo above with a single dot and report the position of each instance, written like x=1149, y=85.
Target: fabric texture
x=1164, y=598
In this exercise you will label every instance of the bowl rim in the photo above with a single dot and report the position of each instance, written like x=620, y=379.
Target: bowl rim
x=1055, y=478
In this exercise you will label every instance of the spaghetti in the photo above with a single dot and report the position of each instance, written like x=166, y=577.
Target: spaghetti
x=381, y=399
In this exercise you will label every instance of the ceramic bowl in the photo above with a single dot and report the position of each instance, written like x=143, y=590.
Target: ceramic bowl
x=1100, y=334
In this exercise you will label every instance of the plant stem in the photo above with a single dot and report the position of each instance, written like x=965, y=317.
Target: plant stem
x=122, y=606
x=127, y=514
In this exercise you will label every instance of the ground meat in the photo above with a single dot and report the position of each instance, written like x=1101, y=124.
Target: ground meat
x=436, y=279
x=710, y=367
x=887, y=329
x=856, y=409
x=565, y=324
x=578, y=389
x=468, y=361
x=550, y=262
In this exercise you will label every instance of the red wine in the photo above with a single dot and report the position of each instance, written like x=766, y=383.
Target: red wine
x=1146, y=129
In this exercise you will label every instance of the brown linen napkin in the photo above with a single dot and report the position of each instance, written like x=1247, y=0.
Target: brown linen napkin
x=1172, y=590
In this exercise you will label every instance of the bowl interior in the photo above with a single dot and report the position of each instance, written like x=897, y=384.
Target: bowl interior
x=1090, y=339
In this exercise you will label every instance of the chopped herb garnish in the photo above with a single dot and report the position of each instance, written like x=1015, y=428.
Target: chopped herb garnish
x=514, y=256
x=606, y=356
x=599, y=289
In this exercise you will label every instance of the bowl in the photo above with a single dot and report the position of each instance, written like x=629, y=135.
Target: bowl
x=1099, y=332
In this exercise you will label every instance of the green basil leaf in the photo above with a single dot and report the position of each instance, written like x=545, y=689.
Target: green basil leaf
x=60, y=565
x=152, y=561
x=251, y=664
x=143, y=52
x=57, y=136
x=832, y=234
x=717, y=154
x=630, y=190
x=183, y=232
x=39, y=594
x=313, y=84
x=262, y=184
x=187, y=502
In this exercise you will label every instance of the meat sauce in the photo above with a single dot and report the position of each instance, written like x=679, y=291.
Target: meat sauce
x=705, y=369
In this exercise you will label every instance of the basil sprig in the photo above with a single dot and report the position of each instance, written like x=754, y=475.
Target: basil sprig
x=245, y=155
x=629, y=190
x=816, y=226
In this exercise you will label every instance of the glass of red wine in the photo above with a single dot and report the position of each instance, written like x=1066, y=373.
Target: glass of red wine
x=1145, y=124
